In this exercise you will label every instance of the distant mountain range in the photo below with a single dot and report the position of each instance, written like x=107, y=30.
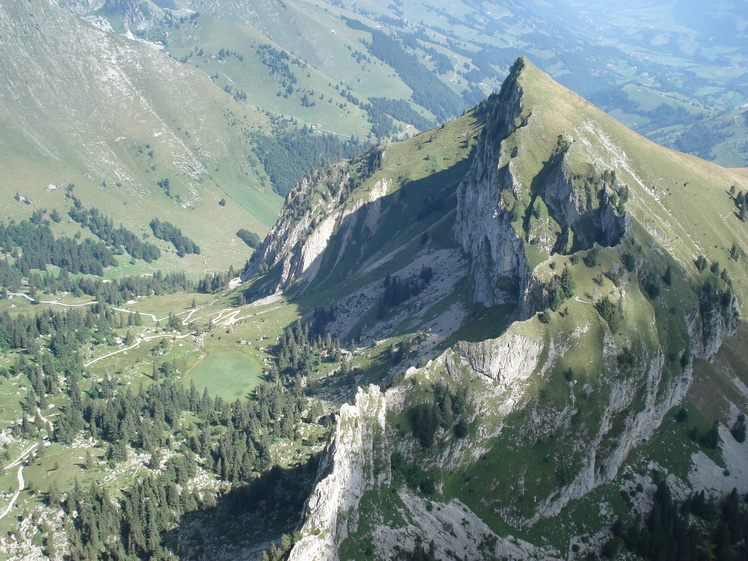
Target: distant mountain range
x=665, y=71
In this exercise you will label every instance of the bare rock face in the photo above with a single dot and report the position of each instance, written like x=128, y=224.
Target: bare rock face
x=302, y=231
x=483, y=226
x=453, y=530
x=498, y=216
x=315, y=210
x=356, y=460
x=506, y=360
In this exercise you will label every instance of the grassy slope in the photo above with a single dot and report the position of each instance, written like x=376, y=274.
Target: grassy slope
x=683, y=201
x=320, y=38
x=254, y=78
x=140, y=132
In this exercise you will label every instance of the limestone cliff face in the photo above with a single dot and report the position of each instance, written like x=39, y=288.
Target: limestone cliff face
x=507, y=211
x=498, y=216
x=506, y=360
x=606, y=451
x=356, y=460
x=317, y=209
x=712, y=324
x=638, y=403
x=303, y=228
x=483, y=226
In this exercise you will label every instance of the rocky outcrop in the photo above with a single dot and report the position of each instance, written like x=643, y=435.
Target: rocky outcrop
x=135, y=15
x=317, y=209
x=606, y=453
x=589, y=220
x=507, y=360
x=641, y=420
x=483, y=225
x=453, y=531
x=717, y=320
x=300, y=235
x=356, y=460
x=498, y=216
x=503, y=371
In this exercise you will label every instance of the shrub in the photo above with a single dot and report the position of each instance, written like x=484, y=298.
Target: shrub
x=701, y=263
x=738, y=429
x=629, y=261
x=611, y=313
x=591, y=259
x=249, y=238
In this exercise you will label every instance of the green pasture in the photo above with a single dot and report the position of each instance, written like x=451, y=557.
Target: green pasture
x=227, y=373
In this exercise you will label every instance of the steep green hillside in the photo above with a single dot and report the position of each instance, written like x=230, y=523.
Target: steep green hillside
x=138, y=135
x=247, y=64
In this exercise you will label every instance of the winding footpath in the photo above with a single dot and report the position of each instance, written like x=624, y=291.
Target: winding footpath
x=19, y=476
x=135, y=344
x=225, y=317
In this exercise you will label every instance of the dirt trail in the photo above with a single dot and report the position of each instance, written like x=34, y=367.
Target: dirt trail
x=137, y=342
x=224, y=317
x=19, y=476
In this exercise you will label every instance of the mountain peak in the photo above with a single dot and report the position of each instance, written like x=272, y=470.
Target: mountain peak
x=578, y=237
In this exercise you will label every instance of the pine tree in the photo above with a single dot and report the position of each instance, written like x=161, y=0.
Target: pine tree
x=89, y=462
x=667, y=277
x=567, y=283
x=701, y=263
x=53, y=494
x=738, y=429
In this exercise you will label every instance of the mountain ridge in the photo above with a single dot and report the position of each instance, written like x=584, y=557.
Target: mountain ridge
x=561, y=184
x=541, y=146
